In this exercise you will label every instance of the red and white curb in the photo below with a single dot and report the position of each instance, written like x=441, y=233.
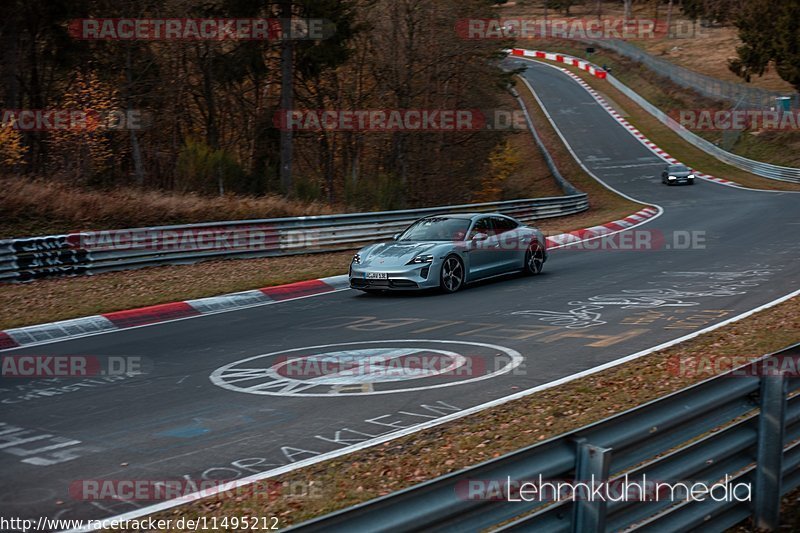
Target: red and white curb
x=600, y=73
x=155, y=314
x=90, y=325
x=591, y=68
x=628, y=222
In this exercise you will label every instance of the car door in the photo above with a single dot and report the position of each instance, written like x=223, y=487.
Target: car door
x=484, y=257
x=511, y=248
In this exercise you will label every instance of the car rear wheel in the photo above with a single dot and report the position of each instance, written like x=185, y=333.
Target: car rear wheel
x=451, y=278
x=534, y=259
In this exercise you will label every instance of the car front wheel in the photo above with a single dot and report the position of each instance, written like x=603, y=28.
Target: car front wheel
x=534, y=259
x=452, y=277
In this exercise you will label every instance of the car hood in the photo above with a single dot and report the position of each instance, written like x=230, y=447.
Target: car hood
x=680, y=174
x=395, y=253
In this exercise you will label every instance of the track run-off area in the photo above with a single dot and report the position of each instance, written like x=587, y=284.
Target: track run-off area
x=218, y=399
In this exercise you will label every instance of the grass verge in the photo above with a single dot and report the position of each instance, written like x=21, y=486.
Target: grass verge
x=54, y=299
x=433, y=452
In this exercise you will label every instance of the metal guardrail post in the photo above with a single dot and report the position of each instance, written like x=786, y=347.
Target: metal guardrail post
x=769, y=462
x=592, y=467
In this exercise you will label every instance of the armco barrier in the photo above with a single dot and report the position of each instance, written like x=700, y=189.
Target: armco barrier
x=94, y=252
x=744, y=424
x=758, y=168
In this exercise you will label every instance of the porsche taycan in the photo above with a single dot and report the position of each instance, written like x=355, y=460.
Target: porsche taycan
x=449, y=251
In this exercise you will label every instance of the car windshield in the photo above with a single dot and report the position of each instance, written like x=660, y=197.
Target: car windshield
x=437, y=229
x=678, y=168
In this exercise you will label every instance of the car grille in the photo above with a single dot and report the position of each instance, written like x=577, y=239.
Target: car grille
x=361, y=283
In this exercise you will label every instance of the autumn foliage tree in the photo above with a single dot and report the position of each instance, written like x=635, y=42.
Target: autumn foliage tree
x=12, y=150
x=212, y=102
x=82, y=150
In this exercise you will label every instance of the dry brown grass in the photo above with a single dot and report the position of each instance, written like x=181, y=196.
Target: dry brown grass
x=37, y=207
x=433, y=452
x=531, y=177
x=48, y=300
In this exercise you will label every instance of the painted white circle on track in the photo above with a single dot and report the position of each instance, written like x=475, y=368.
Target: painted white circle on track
x=389, y=366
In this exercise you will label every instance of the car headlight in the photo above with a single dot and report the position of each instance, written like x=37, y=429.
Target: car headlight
x=357, y=259
x=420, y=259
x=673, y=178
x=690, y=176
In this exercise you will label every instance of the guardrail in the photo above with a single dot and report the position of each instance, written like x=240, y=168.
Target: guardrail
x=743, y=424
x=750, y=97
x=759, y=168
x=94, y=252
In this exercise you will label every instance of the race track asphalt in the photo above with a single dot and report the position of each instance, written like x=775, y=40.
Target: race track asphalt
x=589, y=307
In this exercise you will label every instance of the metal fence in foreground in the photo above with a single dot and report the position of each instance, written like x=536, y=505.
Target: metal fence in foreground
x=94, y=252
x=744, y=424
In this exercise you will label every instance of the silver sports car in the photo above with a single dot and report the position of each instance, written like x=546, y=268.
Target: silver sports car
x=448, y=251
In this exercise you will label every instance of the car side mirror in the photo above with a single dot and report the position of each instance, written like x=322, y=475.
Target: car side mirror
x=395, y=236
x=479, y=237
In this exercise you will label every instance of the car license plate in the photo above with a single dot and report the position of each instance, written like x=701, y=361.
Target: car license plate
x=376, y=275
